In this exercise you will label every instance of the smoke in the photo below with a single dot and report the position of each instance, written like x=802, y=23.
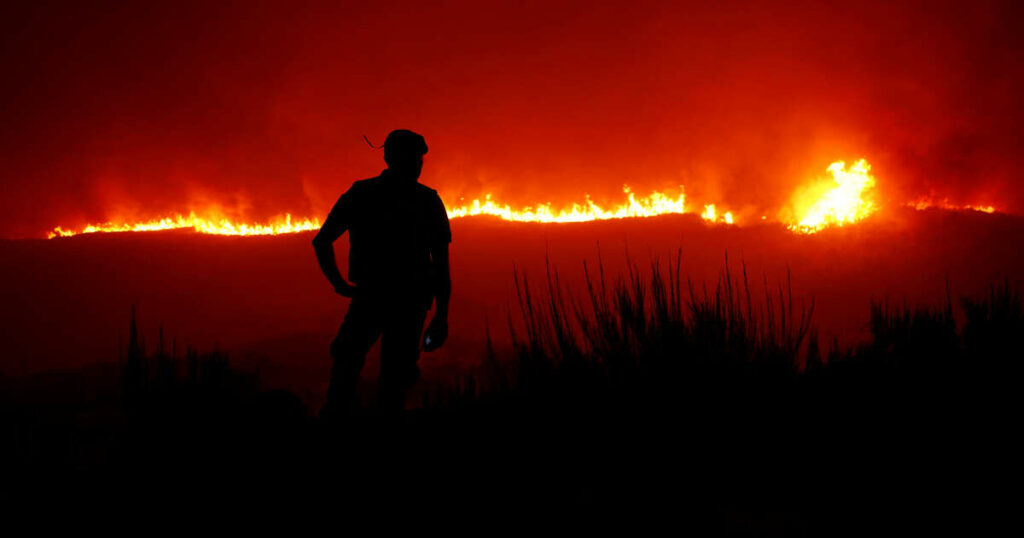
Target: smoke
x=259, y=109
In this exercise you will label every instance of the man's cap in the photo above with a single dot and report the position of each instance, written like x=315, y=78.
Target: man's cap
x=404, y=142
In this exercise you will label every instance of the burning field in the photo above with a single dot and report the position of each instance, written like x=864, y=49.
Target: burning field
x=739, y=261
x=265, y=299
x=837, y=243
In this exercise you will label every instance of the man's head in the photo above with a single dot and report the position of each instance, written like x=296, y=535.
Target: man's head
x=404, y=151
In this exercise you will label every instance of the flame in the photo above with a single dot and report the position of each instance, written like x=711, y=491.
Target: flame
x=710, y=215
x=649, y=206
x=845, y=202
x=926, y=203
x=656, y=203
x=216, y=226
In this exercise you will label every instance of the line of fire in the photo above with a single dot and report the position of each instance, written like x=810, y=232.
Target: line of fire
x=844, y=197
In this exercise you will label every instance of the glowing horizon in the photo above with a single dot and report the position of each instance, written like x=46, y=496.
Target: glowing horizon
x=845, y=198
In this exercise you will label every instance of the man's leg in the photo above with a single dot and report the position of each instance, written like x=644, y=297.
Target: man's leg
x=356, y=336
x=399, y=353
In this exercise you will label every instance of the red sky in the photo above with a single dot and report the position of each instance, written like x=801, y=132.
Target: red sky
x=116, y=110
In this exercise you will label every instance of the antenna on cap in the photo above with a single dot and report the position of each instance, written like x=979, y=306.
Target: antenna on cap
x=371, y=143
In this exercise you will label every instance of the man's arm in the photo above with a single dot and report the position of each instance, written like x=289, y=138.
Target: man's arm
x=437, y=331
x=323, y=245
x=442, y=279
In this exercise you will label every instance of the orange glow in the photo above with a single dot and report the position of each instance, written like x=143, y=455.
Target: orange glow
x=711, y=215
x=843, y=200
x=652, y=205
x=926, y=203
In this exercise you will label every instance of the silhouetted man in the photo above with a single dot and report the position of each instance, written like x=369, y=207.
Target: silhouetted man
x=398, y=264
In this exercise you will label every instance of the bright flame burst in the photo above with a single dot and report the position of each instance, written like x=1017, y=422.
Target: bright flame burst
x=842, y=203
x=711, y=215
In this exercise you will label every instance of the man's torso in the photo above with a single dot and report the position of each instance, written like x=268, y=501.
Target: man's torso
x=392, y=227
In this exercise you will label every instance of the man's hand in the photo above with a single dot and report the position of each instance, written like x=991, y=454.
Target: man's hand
x=437, y=333
x=346, y=290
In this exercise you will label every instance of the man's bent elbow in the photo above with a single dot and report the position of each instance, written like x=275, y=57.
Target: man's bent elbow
x=320, y=241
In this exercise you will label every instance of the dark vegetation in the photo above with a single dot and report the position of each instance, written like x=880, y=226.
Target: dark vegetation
x=715, y=406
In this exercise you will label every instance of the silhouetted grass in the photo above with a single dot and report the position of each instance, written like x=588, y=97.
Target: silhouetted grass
x=646, y=335
x=654, y=336
x=156, y=425
x=728, y=389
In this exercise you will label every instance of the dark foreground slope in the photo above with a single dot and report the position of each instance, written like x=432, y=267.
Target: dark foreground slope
x=640, y=399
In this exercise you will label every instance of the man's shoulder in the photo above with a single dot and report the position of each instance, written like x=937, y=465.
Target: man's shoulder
x=378, y=186
x=365, y=183
x=425, y=189
x=427, y=192
x=361, y=187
